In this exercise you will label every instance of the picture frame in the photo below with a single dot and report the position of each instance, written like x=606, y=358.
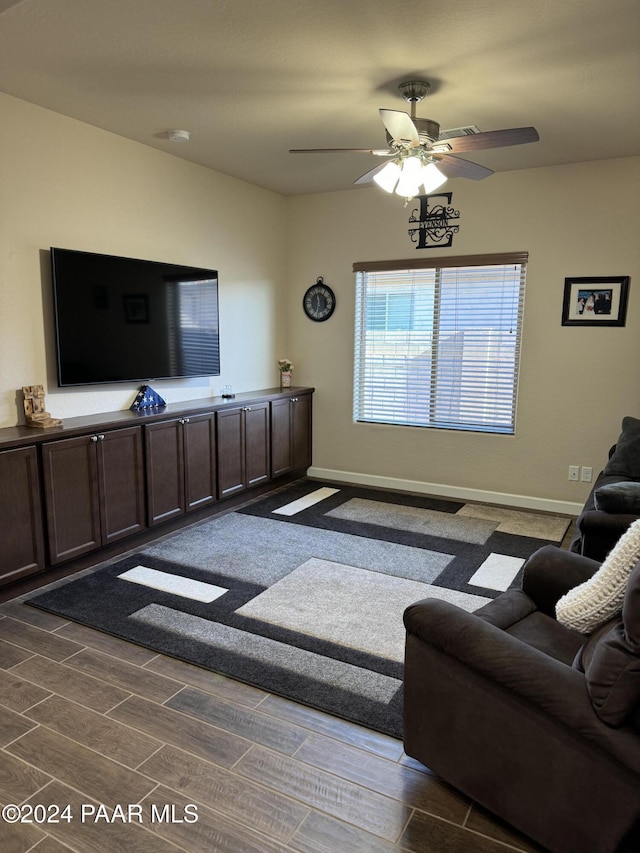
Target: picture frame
x=595, y=301
x=136, y=308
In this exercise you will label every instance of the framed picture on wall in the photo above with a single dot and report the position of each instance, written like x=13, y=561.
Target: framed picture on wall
x=595, y=301
x=136, y=308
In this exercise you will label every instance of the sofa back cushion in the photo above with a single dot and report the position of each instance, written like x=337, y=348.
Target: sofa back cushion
x=585, y=655
x=625, y=460
x=611, y=661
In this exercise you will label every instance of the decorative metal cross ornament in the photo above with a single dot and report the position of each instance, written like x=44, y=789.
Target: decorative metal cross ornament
x=436, y=220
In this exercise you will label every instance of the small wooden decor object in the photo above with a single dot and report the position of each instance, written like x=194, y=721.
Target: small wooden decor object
x=34, y=410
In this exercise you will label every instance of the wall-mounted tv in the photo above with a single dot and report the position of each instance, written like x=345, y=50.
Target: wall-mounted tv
x=123, y=320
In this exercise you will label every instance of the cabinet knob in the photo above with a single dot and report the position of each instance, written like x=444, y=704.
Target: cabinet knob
x=294, y=399
x=246, y=409
x=94, y=438
x=186, y=420
x=101, y=437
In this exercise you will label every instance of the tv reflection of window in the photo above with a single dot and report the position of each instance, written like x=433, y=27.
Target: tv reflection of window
x=193, y=325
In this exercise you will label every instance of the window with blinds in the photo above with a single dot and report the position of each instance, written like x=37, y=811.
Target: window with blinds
x=192, y=310
x=437, y=342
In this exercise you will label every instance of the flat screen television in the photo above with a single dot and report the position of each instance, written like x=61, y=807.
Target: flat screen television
x=123, y=320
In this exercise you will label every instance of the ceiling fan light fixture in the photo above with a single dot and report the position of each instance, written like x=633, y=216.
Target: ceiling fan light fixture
x=387, y=177
x=415, y=145
x=410, y=178
x=432, y=177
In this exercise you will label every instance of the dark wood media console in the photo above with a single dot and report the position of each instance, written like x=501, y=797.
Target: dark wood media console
x=118, y=478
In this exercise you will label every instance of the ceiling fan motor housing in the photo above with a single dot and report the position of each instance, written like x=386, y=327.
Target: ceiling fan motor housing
x=428, y=131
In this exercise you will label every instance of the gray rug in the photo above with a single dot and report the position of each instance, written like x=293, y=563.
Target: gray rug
x=302, y=593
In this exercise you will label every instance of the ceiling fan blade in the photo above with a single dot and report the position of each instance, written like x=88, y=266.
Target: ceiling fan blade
x=369, y=176
x=490, y=139
x=378, y=152
x=399, y=126
x=456, y=167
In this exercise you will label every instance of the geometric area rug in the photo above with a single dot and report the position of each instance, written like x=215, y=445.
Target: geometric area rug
x=301, y=593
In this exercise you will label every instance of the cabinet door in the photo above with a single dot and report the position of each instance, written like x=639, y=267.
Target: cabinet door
x=280, y=437
x=22, y=551
x=290, y=434
x=121, y=483
x=164, y=454
x=257, y=457
x=301, y=432
x=71, y=495
x=200, y=460
x=231, y=461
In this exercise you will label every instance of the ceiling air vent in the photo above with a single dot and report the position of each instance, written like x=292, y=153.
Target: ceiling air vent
x=471, y=130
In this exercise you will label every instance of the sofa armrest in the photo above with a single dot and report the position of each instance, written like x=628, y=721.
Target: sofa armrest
x=553, y=689
x=601, y=530
x=551, y=572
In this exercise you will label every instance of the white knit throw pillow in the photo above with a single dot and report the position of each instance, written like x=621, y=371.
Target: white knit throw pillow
x=599, y=599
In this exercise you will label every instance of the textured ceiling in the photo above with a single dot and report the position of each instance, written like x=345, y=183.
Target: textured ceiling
x=252, y=78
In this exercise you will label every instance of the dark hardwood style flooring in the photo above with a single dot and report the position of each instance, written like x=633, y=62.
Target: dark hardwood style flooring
x=111, y=748
x=87, y=720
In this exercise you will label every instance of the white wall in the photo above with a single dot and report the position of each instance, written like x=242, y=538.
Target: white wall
x=64, y=183
x=576, y=383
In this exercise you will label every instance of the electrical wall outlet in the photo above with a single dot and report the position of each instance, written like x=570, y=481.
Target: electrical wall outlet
x=574, y=472
x=587, y=474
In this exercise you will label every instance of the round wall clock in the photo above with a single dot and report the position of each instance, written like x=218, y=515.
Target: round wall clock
x=319, y=301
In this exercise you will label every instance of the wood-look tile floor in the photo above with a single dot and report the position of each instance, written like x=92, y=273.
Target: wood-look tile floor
x=137, y=744
x=87, y=720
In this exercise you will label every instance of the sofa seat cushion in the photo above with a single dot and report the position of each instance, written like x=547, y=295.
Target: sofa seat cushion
x=623, y=496
x=611, y=660
x=516, y=614
x=600, y=599
x=547, y=635
x=625, y=460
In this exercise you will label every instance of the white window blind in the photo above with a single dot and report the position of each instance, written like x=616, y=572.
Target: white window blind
x=437, y=343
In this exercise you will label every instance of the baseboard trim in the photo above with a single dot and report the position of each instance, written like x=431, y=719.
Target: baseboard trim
x=479, y=495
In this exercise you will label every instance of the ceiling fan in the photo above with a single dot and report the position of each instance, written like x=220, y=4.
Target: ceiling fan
x=422, y=158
